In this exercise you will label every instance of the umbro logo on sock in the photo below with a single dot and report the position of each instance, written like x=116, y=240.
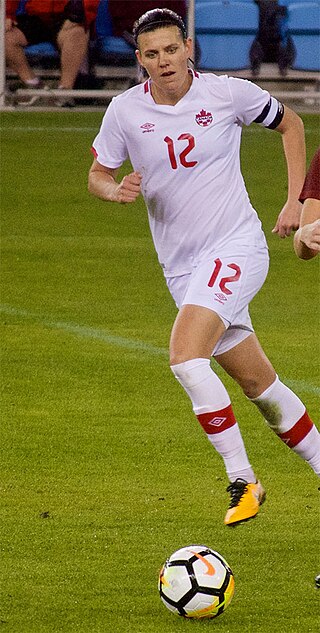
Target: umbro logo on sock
x=216, y=421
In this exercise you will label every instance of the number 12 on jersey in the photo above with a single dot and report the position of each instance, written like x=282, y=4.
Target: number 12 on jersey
x=175, y=155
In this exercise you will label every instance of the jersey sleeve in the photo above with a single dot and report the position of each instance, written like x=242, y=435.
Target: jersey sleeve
x=311, y=187
x=249, y=100
x=109, y=147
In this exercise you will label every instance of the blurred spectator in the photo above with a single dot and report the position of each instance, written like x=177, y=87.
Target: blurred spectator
x=124, y=13
x=65, y=23
x=272, y=43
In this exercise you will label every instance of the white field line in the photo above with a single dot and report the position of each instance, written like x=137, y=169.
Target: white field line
x=105, y=336
x=86, y=331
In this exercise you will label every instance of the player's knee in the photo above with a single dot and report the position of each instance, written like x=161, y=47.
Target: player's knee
x=177, y=359
x=184, y=354
x=252, y=387
x=191, y=372
x=255, y=386
x=180, y=370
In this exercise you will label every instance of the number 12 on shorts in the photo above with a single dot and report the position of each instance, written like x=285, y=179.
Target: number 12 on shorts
x=224, y=280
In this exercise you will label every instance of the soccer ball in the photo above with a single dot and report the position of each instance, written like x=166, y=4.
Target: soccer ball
x=196, y=582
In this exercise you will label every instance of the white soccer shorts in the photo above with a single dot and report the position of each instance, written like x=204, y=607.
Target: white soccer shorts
x=225, y=284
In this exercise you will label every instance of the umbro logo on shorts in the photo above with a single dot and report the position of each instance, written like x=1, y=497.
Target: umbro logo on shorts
x=221, y=298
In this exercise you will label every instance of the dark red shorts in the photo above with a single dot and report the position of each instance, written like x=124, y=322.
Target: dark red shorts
x=36, y=30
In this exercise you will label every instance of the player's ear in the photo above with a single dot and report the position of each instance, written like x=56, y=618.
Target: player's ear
x=138, y=56
x=142, y=71
x=189, y=47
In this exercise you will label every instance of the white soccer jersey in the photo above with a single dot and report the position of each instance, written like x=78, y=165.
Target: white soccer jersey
x=188, y=156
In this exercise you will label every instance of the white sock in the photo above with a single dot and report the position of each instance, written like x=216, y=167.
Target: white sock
x=212, y=406
x=287, y=417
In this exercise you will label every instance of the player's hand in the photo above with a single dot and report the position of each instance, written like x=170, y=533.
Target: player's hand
x=129, y=188
x=288, y=219
x=309, y=234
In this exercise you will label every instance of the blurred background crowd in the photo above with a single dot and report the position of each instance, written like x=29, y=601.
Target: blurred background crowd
x=75, y=33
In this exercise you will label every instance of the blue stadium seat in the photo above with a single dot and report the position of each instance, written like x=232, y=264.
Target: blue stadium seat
x=225, y=32
x=43, y=53
x=303, y=26
x=111, y=49
x=287, y=2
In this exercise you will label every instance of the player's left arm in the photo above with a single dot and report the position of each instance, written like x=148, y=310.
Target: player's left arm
x=292, y=130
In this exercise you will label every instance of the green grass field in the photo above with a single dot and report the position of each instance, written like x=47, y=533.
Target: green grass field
x=105, y=471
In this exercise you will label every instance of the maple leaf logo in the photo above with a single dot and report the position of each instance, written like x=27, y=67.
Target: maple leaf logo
x=204, y=118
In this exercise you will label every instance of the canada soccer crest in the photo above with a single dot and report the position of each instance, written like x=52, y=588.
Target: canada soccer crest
x=204, y=118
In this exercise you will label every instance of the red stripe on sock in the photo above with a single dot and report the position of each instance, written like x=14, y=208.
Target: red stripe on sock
x=298, y=432
x=217, y=421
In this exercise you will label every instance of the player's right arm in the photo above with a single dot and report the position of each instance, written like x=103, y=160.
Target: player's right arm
x=103, y=184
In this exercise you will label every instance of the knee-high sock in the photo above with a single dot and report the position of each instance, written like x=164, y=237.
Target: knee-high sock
x=212, y=406
x=287, y=417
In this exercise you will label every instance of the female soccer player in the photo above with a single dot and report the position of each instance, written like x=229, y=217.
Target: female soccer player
x=182, y=130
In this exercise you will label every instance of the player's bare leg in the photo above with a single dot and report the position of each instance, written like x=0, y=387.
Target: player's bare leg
x=195, y=333
x=249, y=366
x=284, y=412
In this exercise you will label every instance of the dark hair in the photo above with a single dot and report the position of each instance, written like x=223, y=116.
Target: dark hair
x=156, y=19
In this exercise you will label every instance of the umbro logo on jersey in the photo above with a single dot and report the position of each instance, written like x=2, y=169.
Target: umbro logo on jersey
x=204, y=118
x=147, y=127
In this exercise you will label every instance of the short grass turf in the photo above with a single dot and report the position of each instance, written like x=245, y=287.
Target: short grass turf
x=105, y=471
